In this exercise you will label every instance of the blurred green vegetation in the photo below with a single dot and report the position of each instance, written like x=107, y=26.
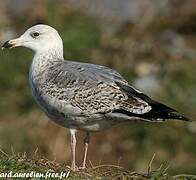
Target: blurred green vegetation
x=157, y=50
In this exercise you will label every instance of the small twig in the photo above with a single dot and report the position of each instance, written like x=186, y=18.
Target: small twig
x=4, y=153
x=100, y=162
x=184, y=175
x=91, y=164
x=109, y=165
x=119, y=159
x=35, y=152
x=54, y=160
x=12, y=150
x=24, y=155
x=150, y=164
x=166, y=169
x=160, y=167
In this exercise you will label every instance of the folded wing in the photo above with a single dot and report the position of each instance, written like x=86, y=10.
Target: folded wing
x=98, y=89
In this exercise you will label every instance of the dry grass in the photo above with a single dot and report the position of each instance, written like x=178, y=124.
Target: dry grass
x=21, y=163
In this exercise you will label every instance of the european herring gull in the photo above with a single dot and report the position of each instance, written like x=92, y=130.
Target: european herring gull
x=82, y=96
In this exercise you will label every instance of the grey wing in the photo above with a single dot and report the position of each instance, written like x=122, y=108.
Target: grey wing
x=92, y=88
x=105, y=73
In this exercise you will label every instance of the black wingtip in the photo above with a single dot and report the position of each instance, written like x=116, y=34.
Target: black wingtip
x=175, y=115
x=185, y=118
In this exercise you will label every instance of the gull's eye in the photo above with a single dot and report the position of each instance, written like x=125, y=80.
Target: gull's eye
x=35, y=34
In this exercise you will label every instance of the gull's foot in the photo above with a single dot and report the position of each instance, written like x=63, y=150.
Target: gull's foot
x=76, y=168
x=82, y=167
x=73, y=168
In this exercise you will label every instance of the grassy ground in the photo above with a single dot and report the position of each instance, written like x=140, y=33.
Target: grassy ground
x=23, y=164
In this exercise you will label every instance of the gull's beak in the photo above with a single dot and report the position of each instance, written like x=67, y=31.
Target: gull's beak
x=12, y=43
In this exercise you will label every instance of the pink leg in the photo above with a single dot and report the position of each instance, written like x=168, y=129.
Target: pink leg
x=73, y=149
x=86, y=142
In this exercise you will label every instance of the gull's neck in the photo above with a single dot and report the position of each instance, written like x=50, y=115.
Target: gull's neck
x=49, y=54
x=44, y=59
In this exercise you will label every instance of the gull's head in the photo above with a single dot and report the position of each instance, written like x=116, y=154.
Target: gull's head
x=39, y=38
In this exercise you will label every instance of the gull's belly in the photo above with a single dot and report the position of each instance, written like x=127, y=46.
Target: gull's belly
x=96, y=122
